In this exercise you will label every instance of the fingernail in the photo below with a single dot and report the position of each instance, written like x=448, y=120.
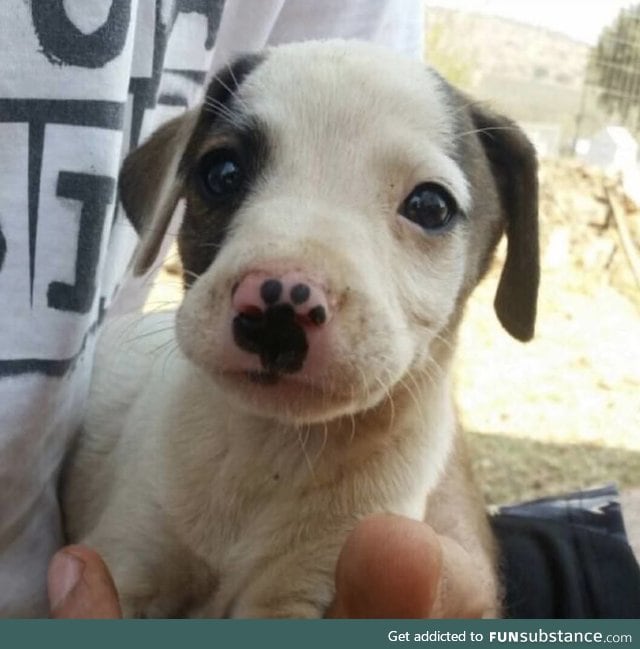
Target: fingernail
x=64, y=574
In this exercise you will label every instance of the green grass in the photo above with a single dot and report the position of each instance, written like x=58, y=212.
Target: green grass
x=511, y=469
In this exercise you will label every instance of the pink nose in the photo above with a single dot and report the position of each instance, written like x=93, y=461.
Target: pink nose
x=278, y=318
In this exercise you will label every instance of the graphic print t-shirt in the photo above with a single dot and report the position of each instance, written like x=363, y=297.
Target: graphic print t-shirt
x=80, y=83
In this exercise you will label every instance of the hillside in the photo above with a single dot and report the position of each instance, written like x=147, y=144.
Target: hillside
x=497, y=47
x=529, y=73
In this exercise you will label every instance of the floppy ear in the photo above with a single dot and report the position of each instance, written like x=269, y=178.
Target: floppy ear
x=150, y=186
x=514, y=166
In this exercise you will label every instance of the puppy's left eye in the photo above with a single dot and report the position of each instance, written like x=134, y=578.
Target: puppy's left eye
x=430, y=206
x=221, y=174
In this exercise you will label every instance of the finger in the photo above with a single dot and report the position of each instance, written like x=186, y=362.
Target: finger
x=389, y=567
x=80, y=585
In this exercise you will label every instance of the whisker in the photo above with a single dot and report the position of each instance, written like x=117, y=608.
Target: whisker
x=172, y=351
x=190, y=273
x=147, y=334
x=210, y=244
x=324, y=443
x=233, y=93
x=304, y=451
x=219, y=109
x=353, y=429
x=232, y=74
x=486, y=129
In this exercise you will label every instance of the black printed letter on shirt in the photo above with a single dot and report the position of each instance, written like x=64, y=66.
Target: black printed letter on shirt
x=62, y=42
x=96, y=193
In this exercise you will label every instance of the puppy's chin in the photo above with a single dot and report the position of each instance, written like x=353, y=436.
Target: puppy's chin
x=293, y=399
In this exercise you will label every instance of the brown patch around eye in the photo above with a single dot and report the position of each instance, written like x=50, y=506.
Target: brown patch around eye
x=223, y=123
x=208, y=216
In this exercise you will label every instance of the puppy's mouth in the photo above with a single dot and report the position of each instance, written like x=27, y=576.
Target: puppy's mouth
x=272, y=377
x=263, y=377
x=288, y=397
x=271, y=386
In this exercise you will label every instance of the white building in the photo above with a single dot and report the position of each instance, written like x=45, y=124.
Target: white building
x=613, y=149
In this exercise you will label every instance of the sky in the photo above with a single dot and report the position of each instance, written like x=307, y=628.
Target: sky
x=581, y=20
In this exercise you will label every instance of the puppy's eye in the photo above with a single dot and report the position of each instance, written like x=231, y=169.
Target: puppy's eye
x=430, y=206
x=221, y=174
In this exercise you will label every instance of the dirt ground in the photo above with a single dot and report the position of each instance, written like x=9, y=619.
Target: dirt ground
x=563, y=411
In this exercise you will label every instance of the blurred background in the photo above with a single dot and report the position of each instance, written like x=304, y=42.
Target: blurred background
x=562, y=412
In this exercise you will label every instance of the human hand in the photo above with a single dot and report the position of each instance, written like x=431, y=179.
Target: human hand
x=395, y=567
x=80, y=586
x=390, y=567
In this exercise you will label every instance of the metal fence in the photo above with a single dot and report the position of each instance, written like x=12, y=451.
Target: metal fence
x=611, y=91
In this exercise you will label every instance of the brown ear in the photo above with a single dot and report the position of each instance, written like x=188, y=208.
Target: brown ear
x=150, y=186
x=514, y=167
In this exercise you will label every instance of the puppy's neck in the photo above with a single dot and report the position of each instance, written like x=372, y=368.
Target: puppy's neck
x=419, y=407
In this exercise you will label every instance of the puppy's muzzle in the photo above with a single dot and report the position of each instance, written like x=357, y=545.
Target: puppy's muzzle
x=278, y=318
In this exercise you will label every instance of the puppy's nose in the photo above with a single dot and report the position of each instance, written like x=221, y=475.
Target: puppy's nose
x=275, y=317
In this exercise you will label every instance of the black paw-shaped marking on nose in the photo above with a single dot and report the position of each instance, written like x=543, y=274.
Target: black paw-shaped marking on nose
x=318, y=315
x=299, y=294
x=275, y=335
x=270, y=291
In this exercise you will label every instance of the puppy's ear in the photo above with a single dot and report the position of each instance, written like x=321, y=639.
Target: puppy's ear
x=514, y=166
x=150, y=186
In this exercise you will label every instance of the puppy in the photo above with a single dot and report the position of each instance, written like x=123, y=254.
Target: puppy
x=341, y=204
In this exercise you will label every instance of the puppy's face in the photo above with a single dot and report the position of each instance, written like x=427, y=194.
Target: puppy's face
x=340, y=208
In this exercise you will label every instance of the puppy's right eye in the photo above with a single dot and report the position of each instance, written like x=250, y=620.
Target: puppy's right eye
x=221, y=174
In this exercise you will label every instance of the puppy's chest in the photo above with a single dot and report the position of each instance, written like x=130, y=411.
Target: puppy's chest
x=237, y=488
x=244, y=485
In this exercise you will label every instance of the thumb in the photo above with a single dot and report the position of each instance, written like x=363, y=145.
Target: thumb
x=389, y=567
x=394, y=567
x=80, y=586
